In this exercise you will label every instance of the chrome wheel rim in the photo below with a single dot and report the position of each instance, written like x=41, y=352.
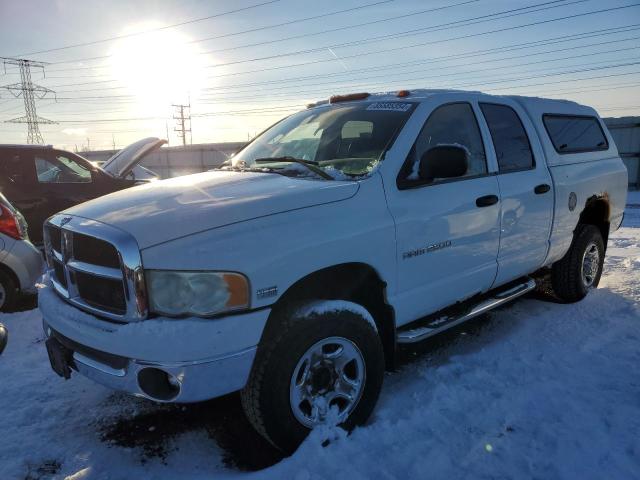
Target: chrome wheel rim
x=590, y=265
x=327, y=382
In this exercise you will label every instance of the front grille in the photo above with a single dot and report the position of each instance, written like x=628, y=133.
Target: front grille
x=59, y=273
x=95, y=251
x=102, y=293
x=96, y=267
x=56, y=237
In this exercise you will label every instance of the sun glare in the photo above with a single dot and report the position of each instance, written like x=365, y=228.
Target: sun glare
x=159, y=68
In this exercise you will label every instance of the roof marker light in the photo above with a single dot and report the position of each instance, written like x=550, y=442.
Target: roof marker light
x=347, y=98
x=403, y=93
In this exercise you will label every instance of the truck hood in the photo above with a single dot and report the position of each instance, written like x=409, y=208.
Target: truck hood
x=168, y=209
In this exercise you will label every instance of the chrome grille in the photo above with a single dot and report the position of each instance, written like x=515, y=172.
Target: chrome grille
x=95, y=267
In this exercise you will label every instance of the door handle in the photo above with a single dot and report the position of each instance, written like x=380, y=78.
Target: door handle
x=487, y=200
x=542, y=188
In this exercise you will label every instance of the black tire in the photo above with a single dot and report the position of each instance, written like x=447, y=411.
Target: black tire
x=265, y=399
x=8, y=299
x=566, y=274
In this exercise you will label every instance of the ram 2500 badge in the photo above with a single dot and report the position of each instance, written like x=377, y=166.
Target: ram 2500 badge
x=358, y=224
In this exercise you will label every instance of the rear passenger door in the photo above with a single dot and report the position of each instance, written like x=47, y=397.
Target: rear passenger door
x=525, y=190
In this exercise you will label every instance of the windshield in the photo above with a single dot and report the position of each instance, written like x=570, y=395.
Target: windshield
x=343, y=140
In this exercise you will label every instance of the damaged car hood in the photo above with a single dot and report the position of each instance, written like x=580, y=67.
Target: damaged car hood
x=165, y=210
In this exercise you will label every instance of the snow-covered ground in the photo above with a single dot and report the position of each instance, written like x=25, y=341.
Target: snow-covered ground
x=538, y=390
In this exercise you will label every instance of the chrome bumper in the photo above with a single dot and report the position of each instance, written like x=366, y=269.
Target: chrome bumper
x=192, y=381
x=133, y=357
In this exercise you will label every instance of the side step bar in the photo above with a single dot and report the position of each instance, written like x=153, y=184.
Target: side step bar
x=432, y=325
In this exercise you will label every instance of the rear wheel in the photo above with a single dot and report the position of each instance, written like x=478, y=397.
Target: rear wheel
x=8, y=292
x=324, y=367
x=580, y=269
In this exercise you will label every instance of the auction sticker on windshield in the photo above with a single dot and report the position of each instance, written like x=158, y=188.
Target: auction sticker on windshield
x=390, y=106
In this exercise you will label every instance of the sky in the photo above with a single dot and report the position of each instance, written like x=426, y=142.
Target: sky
x=115, y=68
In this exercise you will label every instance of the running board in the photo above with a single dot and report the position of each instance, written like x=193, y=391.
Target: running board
x=434, y=324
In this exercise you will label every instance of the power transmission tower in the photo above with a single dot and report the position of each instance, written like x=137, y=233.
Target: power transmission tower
x=183, y=122
x=29, y=91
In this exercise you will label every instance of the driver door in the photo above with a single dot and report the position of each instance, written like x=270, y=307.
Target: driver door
x=447, y=230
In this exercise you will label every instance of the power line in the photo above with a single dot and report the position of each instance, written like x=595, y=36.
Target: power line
x=544, y=6
x=111, y=98
x=291, y=22
x=470, y=54
x=291, y=107
x=225, y=98
x=422, y=44
x=128, y=35
x=434, y=28
x=280, y=86
x=281, y=55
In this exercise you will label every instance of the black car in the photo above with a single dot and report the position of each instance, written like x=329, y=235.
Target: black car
x=41, y=180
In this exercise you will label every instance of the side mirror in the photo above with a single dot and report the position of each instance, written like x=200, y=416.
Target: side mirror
x=444, y=161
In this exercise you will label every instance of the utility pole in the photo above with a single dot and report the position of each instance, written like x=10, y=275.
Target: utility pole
x=29, y=92
x=183, y=121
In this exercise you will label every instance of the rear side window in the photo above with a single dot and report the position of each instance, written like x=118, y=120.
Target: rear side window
x=510, y=140
x=572, y=134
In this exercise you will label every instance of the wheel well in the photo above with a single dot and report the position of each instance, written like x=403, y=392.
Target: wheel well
x=11, y=274
x=596, y=212
x=356, y=282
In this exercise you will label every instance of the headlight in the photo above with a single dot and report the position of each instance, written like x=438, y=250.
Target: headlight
x=203, y=294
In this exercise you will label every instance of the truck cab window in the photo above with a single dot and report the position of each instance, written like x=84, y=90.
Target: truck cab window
x=452, y=124
x=510, y=140
x=351, y=138
x=61, y=170
x=572, y=133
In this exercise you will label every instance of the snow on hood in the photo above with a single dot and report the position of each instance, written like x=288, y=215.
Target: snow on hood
x=161, y=211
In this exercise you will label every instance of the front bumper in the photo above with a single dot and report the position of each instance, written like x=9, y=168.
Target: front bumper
x=153, y=358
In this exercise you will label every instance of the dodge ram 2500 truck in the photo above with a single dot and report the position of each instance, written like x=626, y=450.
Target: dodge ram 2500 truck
x=361, y=223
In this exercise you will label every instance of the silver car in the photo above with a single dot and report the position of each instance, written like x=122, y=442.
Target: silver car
x=21, y=263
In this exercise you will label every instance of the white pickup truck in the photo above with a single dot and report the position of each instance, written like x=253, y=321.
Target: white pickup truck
x=361, y=223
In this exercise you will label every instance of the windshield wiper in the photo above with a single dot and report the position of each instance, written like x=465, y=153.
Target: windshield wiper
x=310, y=164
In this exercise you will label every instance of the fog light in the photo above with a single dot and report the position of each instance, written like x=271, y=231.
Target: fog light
x=158, y=384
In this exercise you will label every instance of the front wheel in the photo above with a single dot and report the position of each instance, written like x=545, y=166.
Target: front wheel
x=325, y=365
x=580, y=269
